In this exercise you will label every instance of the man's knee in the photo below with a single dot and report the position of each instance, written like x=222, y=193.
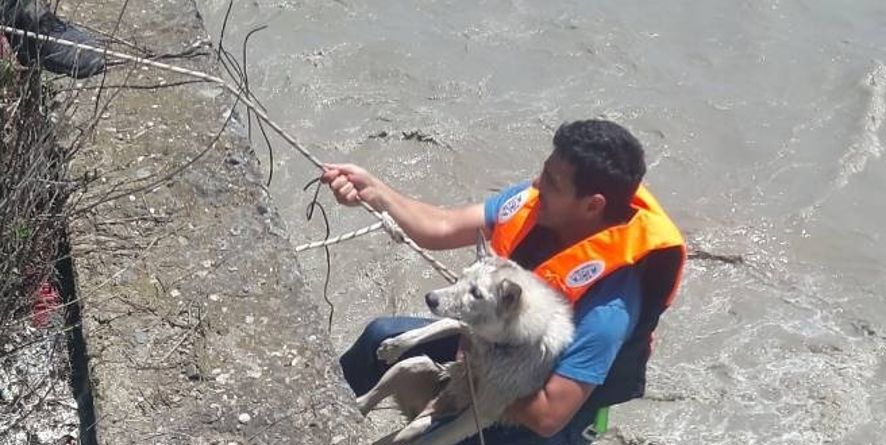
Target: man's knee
x=380, y=329
x=364, y=348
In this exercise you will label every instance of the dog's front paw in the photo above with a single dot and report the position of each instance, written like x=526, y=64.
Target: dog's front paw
x=391, y=350
x=363, y=404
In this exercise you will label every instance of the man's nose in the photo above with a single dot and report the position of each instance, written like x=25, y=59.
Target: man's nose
x=432, y=300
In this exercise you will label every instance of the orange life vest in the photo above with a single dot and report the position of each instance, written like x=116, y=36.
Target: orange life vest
x=574, y=270
x=649, y=241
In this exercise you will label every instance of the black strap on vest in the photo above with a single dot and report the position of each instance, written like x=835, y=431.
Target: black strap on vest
x=627, y=377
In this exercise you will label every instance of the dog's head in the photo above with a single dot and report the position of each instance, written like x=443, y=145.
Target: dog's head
x=486, y=297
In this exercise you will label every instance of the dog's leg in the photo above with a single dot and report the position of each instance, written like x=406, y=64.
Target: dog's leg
x=415, y=429
x=453, y=432
x=392, y=348
x=389, y=382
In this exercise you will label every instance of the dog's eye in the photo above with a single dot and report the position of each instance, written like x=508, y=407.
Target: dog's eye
x=475, y=292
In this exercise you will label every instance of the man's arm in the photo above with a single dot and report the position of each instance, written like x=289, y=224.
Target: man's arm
x=549, y=410
x=432, y=227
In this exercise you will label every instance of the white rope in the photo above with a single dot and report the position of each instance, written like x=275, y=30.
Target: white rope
x=397, y=234
x=340, y=238
x=387, y=223
x=473, y=398
x=242, y=96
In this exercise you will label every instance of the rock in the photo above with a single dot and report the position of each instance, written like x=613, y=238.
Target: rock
x=244, y=418
x=143, y=173
x=192, y=372
x=234, y=159
x=141, y=336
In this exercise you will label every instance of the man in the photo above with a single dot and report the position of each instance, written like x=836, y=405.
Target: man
x=587, y=227
x=34, y=16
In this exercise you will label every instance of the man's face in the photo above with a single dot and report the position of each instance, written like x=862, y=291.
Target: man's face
x=558, y=204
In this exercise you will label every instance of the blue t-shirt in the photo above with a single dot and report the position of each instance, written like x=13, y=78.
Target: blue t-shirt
x=605, y=316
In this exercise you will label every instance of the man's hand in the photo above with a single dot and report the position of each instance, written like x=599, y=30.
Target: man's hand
x=351, y=184
x=432, y=227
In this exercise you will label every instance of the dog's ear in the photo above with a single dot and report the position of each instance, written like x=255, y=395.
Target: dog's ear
x=509, y=293
x=482, y=249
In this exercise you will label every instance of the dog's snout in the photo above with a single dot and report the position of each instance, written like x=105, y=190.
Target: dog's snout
x=432, y=300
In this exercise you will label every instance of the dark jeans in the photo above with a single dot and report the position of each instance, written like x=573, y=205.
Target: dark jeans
x=362, y=370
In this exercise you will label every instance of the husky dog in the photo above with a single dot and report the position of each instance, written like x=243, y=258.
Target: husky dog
x=513, y=329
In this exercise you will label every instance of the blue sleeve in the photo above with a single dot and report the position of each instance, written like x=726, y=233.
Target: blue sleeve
x=494, y=203
x=605, y=317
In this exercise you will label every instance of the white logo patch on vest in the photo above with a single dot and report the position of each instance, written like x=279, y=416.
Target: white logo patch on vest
x=585, y=273
x=512, y=205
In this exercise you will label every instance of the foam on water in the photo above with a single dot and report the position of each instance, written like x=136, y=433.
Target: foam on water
x=781, y=359
x=867, y=145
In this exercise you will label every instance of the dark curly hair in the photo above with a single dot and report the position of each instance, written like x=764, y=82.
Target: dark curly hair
x=608, y=160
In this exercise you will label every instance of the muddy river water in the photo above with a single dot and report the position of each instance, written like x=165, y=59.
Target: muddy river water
x=763, y=125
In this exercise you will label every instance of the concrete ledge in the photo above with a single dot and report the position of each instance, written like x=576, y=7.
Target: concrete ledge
x=196, y=327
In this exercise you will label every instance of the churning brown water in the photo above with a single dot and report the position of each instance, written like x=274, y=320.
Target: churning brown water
x=763, y=123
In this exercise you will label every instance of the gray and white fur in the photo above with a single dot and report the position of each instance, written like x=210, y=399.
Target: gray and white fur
x=513, y=329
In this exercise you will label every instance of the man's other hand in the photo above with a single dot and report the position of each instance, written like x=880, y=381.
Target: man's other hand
x=351, y=184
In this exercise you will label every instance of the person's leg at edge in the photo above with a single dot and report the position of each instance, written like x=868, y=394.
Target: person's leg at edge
x=36, y=16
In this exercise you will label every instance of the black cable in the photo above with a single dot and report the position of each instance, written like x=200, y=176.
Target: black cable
x=309, y=214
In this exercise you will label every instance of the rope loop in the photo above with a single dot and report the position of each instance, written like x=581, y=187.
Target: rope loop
x=393, y=229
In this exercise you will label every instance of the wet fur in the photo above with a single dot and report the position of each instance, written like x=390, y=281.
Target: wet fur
x=516, y=327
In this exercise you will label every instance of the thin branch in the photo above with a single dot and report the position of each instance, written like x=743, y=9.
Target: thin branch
x=184, y=337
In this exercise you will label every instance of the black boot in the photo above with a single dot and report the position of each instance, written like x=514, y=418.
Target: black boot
x=32, y=15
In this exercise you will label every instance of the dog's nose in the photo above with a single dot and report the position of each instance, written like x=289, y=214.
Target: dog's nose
x=432, y=300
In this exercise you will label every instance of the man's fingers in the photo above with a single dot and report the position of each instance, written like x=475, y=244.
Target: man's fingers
x=350, y=198
x=343, y=180
x=346, y=189
x=343, y=169
x=329, y=175
x=339, y=182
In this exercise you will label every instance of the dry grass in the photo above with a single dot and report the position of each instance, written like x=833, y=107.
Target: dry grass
x=34, y=186
x=35, y=151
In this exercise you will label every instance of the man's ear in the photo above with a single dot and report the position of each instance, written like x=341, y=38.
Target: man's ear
x=482, y=249
x=595, y=204
x=509, y=294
